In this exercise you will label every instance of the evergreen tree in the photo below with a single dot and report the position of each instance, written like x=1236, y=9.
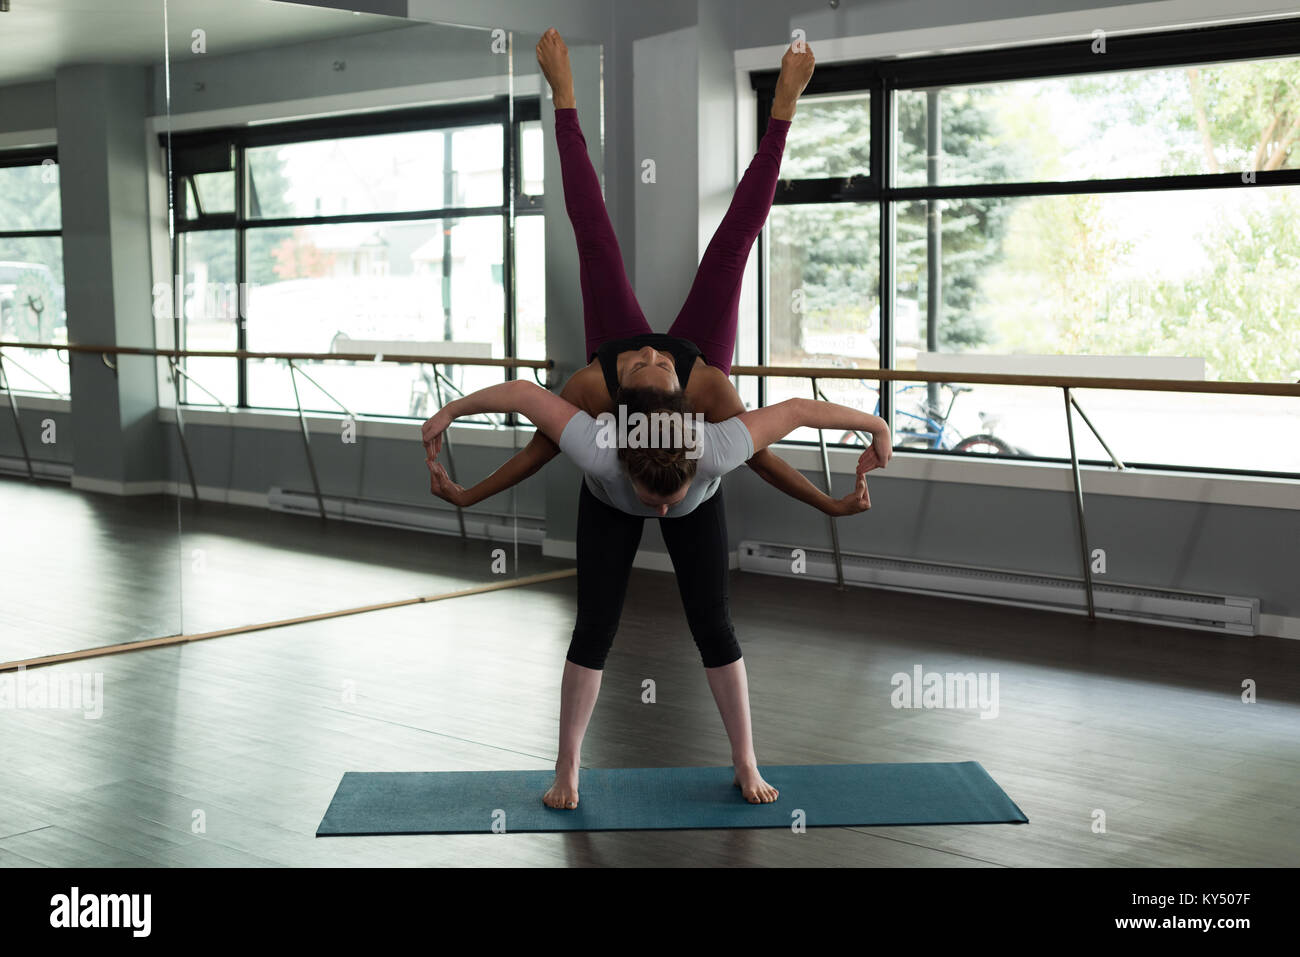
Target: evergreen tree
x=829, y=253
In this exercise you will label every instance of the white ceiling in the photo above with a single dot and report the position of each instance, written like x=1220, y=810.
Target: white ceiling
x=37, y=36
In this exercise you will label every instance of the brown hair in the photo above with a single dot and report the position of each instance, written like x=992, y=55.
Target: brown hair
x=661, y=471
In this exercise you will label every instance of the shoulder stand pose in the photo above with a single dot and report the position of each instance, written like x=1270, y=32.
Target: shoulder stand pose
x=640, y=371
x=694, y=359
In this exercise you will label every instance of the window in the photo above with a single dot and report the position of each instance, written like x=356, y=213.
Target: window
x=1049, y=210
x=32, y=307
x=396, y=233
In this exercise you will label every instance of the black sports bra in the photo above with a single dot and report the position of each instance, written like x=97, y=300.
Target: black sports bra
x=683, y=351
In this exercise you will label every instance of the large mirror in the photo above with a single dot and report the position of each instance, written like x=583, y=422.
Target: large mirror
x=275, y=178
x=362, y=186
x=90, y=555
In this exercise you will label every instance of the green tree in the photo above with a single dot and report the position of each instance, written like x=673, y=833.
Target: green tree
x=1238, y=312
x=829, y=254
x=267, y=199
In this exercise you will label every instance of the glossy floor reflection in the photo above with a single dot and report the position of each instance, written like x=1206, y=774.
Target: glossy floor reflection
x=84, y=570
x=227, y=752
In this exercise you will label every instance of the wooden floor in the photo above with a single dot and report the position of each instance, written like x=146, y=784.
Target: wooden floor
x=104, y=569
x=251, y=733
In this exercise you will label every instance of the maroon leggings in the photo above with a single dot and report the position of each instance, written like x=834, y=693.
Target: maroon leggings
x=711, y=314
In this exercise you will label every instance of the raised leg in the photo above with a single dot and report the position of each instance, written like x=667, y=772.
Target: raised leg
x=609, y=306
x=711, y=313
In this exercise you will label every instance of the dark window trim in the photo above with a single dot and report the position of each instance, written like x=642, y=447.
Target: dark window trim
x=225, y=149
x=29, y=156
x=29, y=233
x=880, y=78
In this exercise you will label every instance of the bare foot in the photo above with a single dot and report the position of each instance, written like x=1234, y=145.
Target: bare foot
x=752, y=785
x=553, y=58
x=796, y=71
x=564, y=792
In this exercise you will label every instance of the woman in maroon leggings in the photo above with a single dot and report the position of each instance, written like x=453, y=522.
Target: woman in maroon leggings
x=693, y=359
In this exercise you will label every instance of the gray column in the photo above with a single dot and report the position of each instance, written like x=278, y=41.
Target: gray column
x=102, y=175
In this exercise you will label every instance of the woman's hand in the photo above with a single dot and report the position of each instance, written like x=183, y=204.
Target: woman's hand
x=878, y=453
x=433, y=430
x=859, y=500
x=441, y=485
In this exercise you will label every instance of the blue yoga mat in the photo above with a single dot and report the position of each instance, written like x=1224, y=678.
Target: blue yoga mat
x=635, y=799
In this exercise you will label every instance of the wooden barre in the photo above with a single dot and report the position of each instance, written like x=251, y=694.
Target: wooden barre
x=400, y=357
x=1060, y=382
x=165, y=640
x=785, y=372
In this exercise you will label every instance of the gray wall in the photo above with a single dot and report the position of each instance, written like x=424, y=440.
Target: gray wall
x=634, y=21
x=1194, y=546
x=383, y=469
x=860, y=17
x=586, y=20
x=27, y=106
x=106, y=263
x=667, y=209
x=403, y=56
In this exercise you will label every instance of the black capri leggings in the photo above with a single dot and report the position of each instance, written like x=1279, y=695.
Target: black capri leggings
x=607, y=543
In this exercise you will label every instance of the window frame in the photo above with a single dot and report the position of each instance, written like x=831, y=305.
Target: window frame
x=198, y=152
x=881, y=78
x=33, y=156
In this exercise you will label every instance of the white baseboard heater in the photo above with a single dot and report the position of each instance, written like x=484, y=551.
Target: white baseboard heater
x=498, y=528
x=1224, y=614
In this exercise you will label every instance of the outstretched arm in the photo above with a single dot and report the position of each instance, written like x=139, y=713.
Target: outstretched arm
x=781, y=475
x=549, y=412
x=580, y=391
x=526, y=462
x=775, y=422
x=721, y=401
